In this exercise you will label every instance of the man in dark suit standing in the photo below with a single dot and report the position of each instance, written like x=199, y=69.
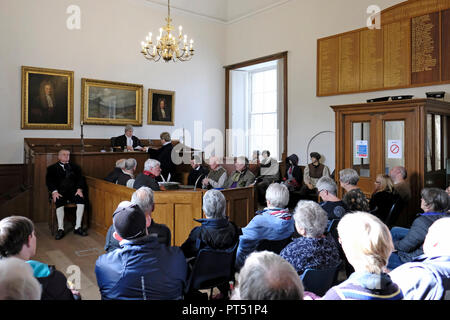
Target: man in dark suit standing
x=65, y=183
x=128, y=141
x=164, y=156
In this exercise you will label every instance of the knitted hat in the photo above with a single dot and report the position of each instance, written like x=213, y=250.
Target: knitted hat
x=129, y=221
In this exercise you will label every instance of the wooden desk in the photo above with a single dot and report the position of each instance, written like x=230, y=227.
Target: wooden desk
x=39, y=153
x=177, y=209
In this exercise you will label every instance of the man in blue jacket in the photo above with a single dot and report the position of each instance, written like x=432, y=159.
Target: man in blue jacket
x=427, y=277
x=273, y=223
x=142, y=269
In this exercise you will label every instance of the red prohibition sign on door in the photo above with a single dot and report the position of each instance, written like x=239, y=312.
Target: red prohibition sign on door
x=395, y=148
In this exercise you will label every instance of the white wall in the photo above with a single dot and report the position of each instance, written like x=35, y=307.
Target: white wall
x=34, y=33
x=295, y=27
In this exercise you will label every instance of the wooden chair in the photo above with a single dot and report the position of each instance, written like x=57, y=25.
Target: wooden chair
x=52, y=220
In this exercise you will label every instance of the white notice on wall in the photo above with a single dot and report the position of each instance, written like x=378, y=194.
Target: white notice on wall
x=362, y=149
x=395, y=150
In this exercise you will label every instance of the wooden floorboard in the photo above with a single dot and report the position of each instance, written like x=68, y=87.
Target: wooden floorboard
x=72, y=250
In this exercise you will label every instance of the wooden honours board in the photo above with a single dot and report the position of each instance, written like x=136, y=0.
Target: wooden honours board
x=412, y=48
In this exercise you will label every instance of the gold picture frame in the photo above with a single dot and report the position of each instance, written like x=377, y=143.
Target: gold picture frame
x=111, y=103
x=47, y=99
x=161, y=116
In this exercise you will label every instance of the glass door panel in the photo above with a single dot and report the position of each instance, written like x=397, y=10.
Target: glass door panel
x=394, y=144
x=360, y=145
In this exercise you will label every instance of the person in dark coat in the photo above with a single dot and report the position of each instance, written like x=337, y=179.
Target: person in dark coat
x=128, y=141
x=113, y=175
x=294, y=176
x=144, y=198
x=65, y=183
x=198, y=172
x=18, y=239
x=147, y=178
x=216, y=231
x=383, y=197
x=164, y=156
x=142, y=268
x=409, y=242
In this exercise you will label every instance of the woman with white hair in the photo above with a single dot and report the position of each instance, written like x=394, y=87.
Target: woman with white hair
x=354, y=198
x=147, y=178
x=312, y=250
x=367, y=244
x=273, y=223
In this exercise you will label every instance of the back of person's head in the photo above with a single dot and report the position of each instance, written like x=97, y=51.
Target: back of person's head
x=120, y=163
x=437, y=200
x=165, y=136
x=17, y=281
x=349, y=176
x=366, y=241
x=437, y=241
x=144, y=198
x=328, y=184
x=386, y=183
x=267, y=276
x=150, y=163
x=129, y=221
x=14, y=233
x=130, y=164
x=278, y=195
x=310, y=216
x=214, y=204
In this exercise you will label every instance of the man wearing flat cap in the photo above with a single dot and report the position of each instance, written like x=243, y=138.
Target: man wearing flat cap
x=142, y=268
x=312, y=173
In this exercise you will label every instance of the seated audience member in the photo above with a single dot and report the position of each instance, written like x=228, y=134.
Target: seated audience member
x=217, y=176
x=293, y=177
x=164, y=156
x=127, y=173
x=65, y=183
x=18, y=239
x=312, y=250
x=147, y=178
x=333, y=206
x=112, y=176
x=198, y=172
x=398, y=175
x=242, y=176
x=142, y=268
x=128, y=141
x=383, y=197
x=408, y=243
x=427, y=277
x=255, y=157
x=269, y=173
x=17, y=281
x=267, y=276
x=312, y=173
x=143, y=197
x=448, y=190
x=354, y=198
x=273, y=223
x=367, y=244
x=216, y=232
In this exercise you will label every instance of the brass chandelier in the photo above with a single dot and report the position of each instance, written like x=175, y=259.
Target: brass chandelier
x=168, y=46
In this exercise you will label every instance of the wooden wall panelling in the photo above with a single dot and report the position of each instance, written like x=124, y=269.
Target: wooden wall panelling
x=425, y=49
x=445, y=45
x=349, y=50
x=371, y=58
x=328, y=66
x=397, y=54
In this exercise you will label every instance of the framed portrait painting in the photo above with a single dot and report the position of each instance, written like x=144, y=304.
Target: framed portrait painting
x=111, y=103
x=161, y=107
x=47, y=98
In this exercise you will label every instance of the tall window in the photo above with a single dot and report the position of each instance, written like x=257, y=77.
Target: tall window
x=256, y=108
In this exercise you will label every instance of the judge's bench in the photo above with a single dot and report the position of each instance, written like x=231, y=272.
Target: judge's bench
x=175, y=208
